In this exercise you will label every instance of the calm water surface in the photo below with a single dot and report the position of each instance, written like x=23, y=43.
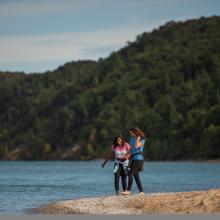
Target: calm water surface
x=26, y=185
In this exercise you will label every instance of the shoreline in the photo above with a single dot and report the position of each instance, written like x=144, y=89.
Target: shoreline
x=195, y=202
x=100, y=159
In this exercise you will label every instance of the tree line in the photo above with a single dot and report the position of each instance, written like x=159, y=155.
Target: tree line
x=167, y=82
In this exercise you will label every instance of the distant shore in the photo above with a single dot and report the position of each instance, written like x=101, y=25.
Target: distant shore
x=195, y=202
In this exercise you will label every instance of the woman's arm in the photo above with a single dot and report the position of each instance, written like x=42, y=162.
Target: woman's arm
x=109, y=156
x=128, y=153
x=138, y=142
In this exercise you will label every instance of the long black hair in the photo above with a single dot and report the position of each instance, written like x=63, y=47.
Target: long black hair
x=116, y=138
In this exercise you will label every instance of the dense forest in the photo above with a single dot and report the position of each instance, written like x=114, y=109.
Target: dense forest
x=167, y=82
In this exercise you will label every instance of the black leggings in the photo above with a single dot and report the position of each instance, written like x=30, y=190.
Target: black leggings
x=135, y=167
x=120, y=172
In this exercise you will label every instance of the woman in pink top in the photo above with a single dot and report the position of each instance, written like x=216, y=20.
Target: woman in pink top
x=121, y=152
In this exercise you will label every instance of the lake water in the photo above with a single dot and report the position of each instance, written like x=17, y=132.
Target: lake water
x=26, y=185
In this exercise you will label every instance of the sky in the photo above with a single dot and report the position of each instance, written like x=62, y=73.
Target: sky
x=40, y=35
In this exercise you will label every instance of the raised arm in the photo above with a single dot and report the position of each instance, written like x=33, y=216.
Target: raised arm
x=138, y=142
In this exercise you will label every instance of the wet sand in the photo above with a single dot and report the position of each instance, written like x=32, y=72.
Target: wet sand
x=196, y=202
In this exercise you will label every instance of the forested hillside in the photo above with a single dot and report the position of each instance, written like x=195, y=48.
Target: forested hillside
x=167, y=82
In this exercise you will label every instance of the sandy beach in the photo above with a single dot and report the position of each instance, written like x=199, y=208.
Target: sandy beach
x=196, y=202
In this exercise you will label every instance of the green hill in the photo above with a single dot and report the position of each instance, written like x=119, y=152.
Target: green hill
x=167, y=82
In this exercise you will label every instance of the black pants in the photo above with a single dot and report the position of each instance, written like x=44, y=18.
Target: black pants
x=120, y=172
x=135, y=167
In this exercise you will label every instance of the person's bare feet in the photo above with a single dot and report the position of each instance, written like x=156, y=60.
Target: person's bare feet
x=125, y=193
x=141, y=194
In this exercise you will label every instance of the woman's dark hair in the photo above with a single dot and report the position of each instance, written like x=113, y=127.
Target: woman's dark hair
x=137, y=131
x=116, y=138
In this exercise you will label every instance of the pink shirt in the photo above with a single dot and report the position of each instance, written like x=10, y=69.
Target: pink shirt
x=120, y=151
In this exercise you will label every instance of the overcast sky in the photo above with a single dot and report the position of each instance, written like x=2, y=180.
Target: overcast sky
x=40, y=35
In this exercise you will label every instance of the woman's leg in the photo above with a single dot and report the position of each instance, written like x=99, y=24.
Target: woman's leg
x=130, y=181
x=123, y=179
x=117, y=176
x=138, y=181
x=133, y=169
